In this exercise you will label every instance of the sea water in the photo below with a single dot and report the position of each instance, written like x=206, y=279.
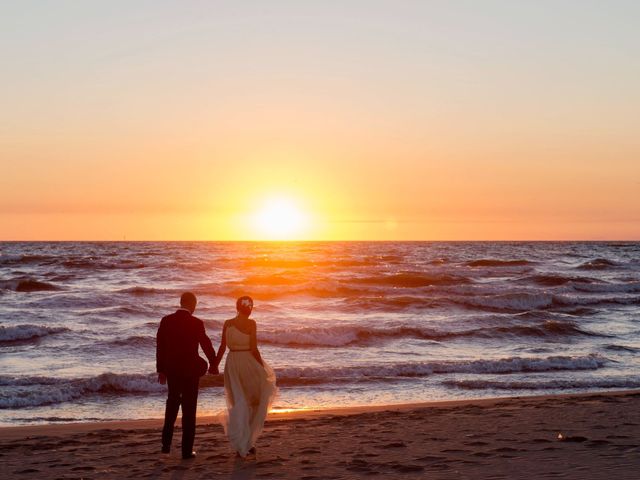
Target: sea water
x=342, y=323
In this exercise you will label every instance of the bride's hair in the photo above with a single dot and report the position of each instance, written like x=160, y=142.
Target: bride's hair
x=244, y=305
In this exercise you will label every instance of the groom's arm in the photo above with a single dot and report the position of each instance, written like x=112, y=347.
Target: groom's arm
x=161, y=356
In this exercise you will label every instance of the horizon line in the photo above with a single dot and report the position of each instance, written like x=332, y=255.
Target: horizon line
x=326, y=241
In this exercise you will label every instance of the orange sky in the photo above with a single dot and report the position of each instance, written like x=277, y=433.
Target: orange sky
x=434, y=121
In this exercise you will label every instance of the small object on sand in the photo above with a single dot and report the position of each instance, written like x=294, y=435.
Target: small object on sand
x=576, y=438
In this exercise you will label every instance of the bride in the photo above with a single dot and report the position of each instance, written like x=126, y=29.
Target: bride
x=249, y=383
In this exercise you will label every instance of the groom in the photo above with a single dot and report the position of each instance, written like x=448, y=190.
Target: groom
x=179, y=365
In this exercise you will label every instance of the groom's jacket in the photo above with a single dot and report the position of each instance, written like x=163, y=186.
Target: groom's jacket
x=177, y=343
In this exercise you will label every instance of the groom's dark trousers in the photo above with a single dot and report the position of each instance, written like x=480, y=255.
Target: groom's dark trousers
x=182, y=391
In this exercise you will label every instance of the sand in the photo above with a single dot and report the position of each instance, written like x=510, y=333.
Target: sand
x=484, y=439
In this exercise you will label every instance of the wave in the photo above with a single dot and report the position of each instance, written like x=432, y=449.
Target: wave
x=629, y=287
x=597, y=264
x=591, y=383
x=411, y=280
x=550, y=328
x=71, y=262
x=98, y=263
x=334, y=263
x=284, y=278
x=37, y=391
x=490, y=262
x=351, y=335
x=133, y=341
x=25, y=259
x=524, y=301
x=509, y=301
x=556, y=280
x=394, y=303
x=23, y=333
x=317, y=375
x=20, y=392
x=25, y=284
x=622, y=348
x=145, y=290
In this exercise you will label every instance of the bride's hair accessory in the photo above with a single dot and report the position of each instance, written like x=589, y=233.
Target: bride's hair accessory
x=244, y=304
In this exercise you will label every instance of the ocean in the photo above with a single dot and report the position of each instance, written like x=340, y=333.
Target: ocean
x=342, y=323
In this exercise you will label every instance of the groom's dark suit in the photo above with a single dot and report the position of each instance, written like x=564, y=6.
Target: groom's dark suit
x=177, y=357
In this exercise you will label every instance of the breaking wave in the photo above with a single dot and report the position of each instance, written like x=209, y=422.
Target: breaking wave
x=27, y=285
x=23, y=333
x=312, y=375
x=597, y=264
x=37, y=391
x=343, y=335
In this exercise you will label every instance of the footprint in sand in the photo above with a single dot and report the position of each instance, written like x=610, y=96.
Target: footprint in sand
x=430, y=458
x=482, y=454
x=308, y=451
x=393, y=445
x=477, y=443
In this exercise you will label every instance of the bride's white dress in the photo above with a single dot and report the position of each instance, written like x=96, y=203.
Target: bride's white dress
x=250, y=390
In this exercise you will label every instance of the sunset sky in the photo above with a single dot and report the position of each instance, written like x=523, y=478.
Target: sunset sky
x=365, y=120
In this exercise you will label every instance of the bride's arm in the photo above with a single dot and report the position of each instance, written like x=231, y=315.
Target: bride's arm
x=223, y=345
x=254, y=343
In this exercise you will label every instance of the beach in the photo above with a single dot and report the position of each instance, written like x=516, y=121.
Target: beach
x=498, y=438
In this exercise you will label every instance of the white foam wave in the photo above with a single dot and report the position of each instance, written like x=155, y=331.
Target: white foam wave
x=422, y=369
x=27, y=332
x=36, y=391
x=20, y=392
x=327, y=337
x=345, y=335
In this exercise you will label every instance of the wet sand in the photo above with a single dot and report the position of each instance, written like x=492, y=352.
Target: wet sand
x=481, y=439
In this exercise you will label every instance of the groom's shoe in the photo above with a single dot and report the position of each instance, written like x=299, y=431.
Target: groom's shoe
x=166, y=449
x=187, y=456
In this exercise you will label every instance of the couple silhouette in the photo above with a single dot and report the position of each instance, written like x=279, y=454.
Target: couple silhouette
x=249, y=382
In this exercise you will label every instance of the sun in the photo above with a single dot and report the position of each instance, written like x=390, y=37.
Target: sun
x=280, y=218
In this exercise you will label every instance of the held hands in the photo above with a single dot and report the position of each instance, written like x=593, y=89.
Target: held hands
x=162, y=378
x=213, y=369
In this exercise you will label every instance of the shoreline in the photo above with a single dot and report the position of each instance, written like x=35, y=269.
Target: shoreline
x=10, y=432
x=587, y=436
